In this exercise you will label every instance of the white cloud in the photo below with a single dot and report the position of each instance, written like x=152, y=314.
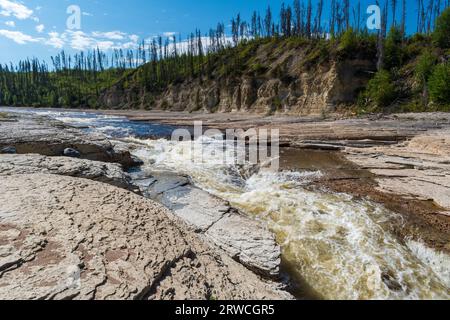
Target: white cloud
x=18, y=37
x=87, y=14
x=11, y=24
x=80, y=40
x=111, y=35
x=128, y=45
x=74, y=39
x=56, y=40
x=11, y=8
x=105, y=45
x=134, y=38
x=40, y=28
x=169, y=34
x=184, y=45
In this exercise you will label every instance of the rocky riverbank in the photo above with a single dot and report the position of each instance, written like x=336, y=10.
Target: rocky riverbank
x=55, y=196
x=74, y=226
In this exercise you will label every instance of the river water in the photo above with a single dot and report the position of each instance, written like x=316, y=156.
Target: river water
x=333, y=246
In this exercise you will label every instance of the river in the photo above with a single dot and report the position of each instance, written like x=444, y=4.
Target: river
x=333, y=245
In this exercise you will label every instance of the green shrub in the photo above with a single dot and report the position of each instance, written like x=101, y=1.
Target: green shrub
x=415, y=46
x=381, y=90
x=424, y=67
x=441, y=34
x=316, y=55
x=348, y=42
x=277, y=105
x=296, y=42
x=259, y=68
x=439, y=84
x=394, y=52
x=165, y=105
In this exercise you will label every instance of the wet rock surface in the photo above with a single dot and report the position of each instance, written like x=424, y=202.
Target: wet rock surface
x=244, y=239
x=71, y=153
x=70, y=238
x=417, y=169
x=248, y=242
x=311, y=131
x=194, y=206
x=8, y=150
x=69, y=229
x=40, y=135
x=99, y=171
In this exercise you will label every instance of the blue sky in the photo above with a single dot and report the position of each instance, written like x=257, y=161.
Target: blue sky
x=37, y=28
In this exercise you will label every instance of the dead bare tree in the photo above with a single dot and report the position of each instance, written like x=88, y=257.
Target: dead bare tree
x=298, y=17
x=318, y=22
x=419, y=16
x=347, y=14
x=394, y=11
x=333, y=18
x=403, y=18
x=309, y=19
x=437, y=9
x=357, y=16
x=381, y=37
x=429, y=15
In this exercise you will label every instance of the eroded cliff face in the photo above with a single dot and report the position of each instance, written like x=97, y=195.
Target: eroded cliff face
x=289, y=84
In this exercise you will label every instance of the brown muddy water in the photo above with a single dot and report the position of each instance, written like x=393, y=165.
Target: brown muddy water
x=334, y=246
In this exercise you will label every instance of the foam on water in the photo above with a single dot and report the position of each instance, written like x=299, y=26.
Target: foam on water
x=438, y=261
x=338, y=245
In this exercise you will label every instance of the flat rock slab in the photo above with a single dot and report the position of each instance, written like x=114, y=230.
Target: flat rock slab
x=163, y=182
x=248, y=242
x=417, y=169
x=70, y=238
x=241, y=237
x=99, y=171
x=44, y=136
x=197, y=208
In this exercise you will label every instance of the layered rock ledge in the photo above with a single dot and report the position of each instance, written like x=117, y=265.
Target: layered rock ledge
x=242, y=238
x=71, y=238
x=70, y=228
x=111, y=173
x=416, y=169
x=40, y=135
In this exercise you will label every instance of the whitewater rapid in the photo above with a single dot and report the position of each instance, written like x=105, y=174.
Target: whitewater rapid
x=338, y=246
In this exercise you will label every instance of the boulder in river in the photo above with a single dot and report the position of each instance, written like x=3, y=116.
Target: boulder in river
x=72, y=153
x=8, y=150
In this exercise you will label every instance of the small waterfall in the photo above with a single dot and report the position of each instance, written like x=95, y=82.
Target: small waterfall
x=339, y=246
